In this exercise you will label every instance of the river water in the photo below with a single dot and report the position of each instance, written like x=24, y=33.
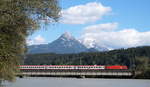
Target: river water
x=74, y=82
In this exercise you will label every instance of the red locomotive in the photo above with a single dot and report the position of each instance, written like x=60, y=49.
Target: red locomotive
x=116, y=67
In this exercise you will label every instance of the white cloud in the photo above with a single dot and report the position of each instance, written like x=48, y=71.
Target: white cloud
x=82, y=14
x=113, y=38
x=37, y=40
x=101, y=27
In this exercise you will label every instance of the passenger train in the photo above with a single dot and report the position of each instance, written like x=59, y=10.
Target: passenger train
x=71, y=67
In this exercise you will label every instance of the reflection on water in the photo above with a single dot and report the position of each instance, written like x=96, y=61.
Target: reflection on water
x=73, y=82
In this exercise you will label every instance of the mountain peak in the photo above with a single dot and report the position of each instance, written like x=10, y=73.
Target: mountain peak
x=66, y=43
x=66, y=35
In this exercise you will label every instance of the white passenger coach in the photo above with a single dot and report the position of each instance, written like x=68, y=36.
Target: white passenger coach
x=95, y=67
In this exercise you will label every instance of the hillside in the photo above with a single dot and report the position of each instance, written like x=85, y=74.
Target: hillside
x=120, y=56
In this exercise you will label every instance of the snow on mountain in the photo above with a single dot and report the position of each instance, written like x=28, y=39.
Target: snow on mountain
x=91, y=43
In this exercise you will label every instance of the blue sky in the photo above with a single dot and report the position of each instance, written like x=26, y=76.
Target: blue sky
x=120, y=23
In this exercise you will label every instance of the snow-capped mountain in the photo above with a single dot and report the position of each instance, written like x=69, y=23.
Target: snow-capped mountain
x=91, y=43
x=66, y=43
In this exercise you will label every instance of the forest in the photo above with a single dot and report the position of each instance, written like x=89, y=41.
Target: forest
x=137, y=58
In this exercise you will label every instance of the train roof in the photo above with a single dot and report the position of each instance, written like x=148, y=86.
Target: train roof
x=61, y=65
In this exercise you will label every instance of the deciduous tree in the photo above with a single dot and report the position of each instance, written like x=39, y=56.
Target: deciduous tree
x=18, y=19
